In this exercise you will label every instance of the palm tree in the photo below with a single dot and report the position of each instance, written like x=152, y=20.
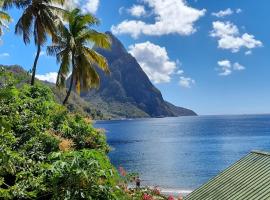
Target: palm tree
x=38, y=18
x=4, y=17
x=75, y=53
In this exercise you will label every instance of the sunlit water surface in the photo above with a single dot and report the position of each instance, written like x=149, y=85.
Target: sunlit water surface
x=183, y=153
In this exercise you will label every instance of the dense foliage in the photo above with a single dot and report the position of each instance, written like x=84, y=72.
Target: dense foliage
x=75, y=103
x=47, y=152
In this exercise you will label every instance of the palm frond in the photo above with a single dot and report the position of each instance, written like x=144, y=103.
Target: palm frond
x=63, y=71
x=4, y=16
x=96, y=59
x=99, y=40
x=60, y=2
x=53, y=50
x=6, y=4
x=47, y=19
x=86, y=74
x=23, y=26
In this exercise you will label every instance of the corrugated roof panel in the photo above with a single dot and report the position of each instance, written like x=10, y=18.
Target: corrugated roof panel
x=247, y=179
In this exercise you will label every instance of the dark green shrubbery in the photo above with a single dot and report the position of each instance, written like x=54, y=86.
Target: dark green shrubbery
x=47, y=152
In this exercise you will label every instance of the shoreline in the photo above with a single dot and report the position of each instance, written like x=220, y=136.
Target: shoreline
x=168, y=191
x=140, y=118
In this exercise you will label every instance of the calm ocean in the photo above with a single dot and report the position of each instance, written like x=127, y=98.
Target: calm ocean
x=183, y=153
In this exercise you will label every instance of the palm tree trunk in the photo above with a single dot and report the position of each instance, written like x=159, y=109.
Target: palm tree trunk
x=70, y=88
x=71, y=81
x=34, y=69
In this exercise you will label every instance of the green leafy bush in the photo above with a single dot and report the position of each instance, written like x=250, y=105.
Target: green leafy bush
x=47, y=152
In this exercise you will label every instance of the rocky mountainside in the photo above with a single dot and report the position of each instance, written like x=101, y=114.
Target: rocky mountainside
x=127, y=92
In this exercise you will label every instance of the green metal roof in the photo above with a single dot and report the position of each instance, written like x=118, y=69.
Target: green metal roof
x=247, y=179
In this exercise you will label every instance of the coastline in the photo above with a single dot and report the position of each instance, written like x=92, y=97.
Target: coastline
x=175, y=192
x=140, y=118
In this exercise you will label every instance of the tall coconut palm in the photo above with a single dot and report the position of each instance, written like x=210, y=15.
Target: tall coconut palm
x=4, y=17
x=38, y=18
x=76, y=55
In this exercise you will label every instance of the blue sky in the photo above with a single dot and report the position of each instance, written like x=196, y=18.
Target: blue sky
x=207, y=56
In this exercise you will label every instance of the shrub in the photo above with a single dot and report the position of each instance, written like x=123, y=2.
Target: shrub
x=47, y=152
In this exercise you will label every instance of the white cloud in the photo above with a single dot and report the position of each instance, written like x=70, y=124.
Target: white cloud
x=238, y=10
x=121, y=10
x=180, y=72
x=50, y=77
x=229, y=37
x=155, y=61
x=227, y=12
x=238, y=67
x=223, y=13
x=249, y=52
x=91, y=6
x=4, y=55
x=137, y=11
x=227, y=68
x=86, y=5
x=171, y=16
x=186, y=82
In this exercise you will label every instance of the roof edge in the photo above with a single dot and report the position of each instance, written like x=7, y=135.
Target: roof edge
x=261, y=152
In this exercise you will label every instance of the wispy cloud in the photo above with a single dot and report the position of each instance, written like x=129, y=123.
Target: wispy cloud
x=4, y=54
x=186, y=82
x=227, y=67
x=226, y=12
x=223, y=13
x=249, y=52
x=239, y=10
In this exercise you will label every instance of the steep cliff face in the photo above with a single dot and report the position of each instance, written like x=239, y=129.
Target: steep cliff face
x=128, y=87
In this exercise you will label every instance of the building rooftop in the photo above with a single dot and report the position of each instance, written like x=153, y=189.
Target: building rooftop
x=249, y=178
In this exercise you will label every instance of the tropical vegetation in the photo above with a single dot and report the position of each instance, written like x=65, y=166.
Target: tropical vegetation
x=46, y=151
x=74, y=49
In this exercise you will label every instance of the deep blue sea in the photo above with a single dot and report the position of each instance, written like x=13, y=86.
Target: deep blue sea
x=183, y=153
